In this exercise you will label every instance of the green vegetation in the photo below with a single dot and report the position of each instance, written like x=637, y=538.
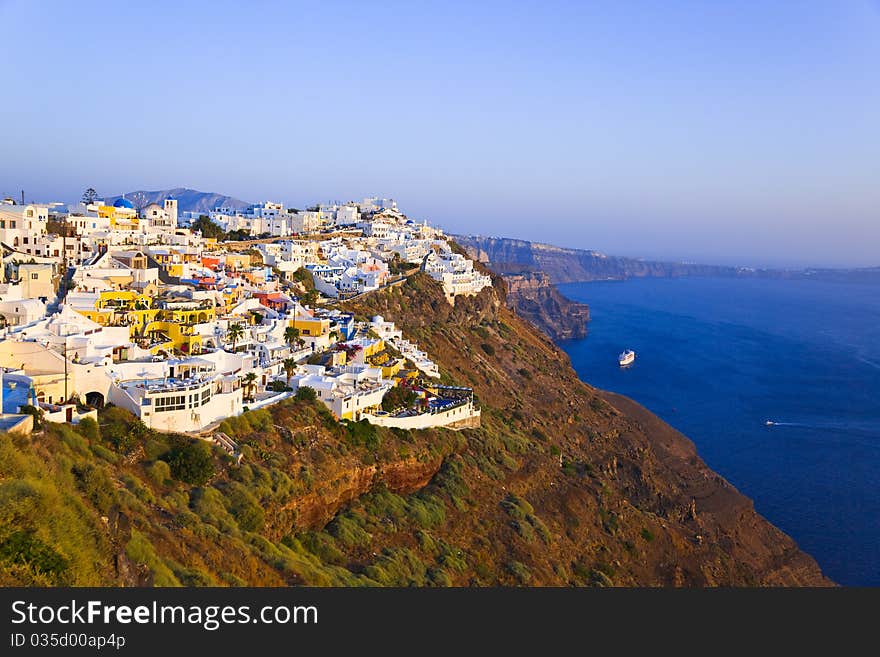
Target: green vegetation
x=278, y=386
x=306, y=393
x=399, y=397
x=191, y=462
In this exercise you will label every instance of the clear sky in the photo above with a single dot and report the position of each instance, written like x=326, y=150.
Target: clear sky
x=743, y=132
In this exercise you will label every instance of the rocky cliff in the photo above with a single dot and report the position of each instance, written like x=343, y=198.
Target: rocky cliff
x=533, y=297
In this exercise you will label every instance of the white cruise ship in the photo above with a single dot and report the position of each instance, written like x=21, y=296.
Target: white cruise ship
x=626, y=357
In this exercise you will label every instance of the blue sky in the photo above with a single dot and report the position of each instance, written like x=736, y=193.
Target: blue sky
x=743, y=132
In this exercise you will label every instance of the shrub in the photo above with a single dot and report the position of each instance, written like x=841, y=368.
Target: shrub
x=520, y=571
x=159, y=472
x=647, y=535
x=247, y=511
x=363, y=434
x=96, y=485
x=88, y=428
x=155, y=448
x=23, y=547
x=322, y=545
x=346, y=529
x=140, y=550
x=306, y=393
x=192, y=463
x=103, y=453
x=489, y=349
x=279, y=386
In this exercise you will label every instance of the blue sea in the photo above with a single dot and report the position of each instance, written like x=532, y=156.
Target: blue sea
x=716, y=358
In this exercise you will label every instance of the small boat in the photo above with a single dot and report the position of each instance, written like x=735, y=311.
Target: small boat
x=769, y=423
x=626, y=357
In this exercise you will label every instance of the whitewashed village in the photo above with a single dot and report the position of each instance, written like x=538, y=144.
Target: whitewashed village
x=137, y=306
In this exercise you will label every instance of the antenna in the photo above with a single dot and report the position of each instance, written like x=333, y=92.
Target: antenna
x=22, y=197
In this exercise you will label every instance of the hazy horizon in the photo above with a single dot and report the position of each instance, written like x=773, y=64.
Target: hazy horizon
x=695, y=131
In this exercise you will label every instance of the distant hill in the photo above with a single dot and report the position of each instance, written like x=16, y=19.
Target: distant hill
x=187, y=199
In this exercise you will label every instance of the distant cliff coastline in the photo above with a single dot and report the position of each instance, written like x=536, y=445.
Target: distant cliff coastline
x=511, y=256
x=535, y=298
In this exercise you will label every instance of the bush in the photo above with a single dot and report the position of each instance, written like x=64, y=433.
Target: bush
x=647, y=535
x=489, y=349
x=23, y=547
x=520, y=571
x=88, y=428
x=159, y=472
x=363, y=434
x=102, y=452
x=121, y=430
x=346, y=529
x=305, y=393
x=279, y=386
x=140, y=550
x=192, y=463
x=247, y=511
x=96, y=485
x=399, y=397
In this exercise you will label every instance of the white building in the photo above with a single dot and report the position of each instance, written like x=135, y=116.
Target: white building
x=456, y=273
x=349, y=392
x=161, y=216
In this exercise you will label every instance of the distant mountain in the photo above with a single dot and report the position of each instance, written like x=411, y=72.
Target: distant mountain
x=187, y=199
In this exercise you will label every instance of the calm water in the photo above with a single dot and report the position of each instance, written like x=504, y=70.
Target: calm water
x=716, y=358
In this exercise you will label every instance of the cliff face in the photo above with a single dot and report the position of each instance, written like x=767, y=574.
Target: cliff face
x=533, y=297
x=510, y=256
x=567, y=484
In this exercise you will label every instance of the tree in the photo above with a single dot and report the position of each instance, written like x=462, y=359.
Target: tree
x=289, y=365
x=234, y=333
x=291, y=335
x=250, y=380
x=208, y=228
x=89, y=196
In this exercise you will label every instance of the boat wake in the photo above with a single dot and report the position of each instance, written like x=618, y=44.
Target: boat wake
x=871, y=432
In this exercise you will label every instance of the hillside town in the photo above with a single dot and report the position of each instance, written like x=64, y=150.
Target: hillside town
x=186, y=318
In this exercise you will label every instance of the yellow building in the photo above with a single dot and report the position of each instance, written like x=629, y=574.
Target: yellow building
x=171, y=336
x=237, y=260
x=121, y=307
x=122, y=215
x=311, y=326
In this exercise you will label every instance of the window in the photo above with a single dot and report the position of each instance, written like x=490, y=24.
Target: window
x=170, y=403
x=34, y=277
x=30, y=213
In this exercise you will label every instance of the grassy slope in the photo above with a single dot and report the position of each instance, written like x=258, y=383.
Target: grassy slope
x=561, y=485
